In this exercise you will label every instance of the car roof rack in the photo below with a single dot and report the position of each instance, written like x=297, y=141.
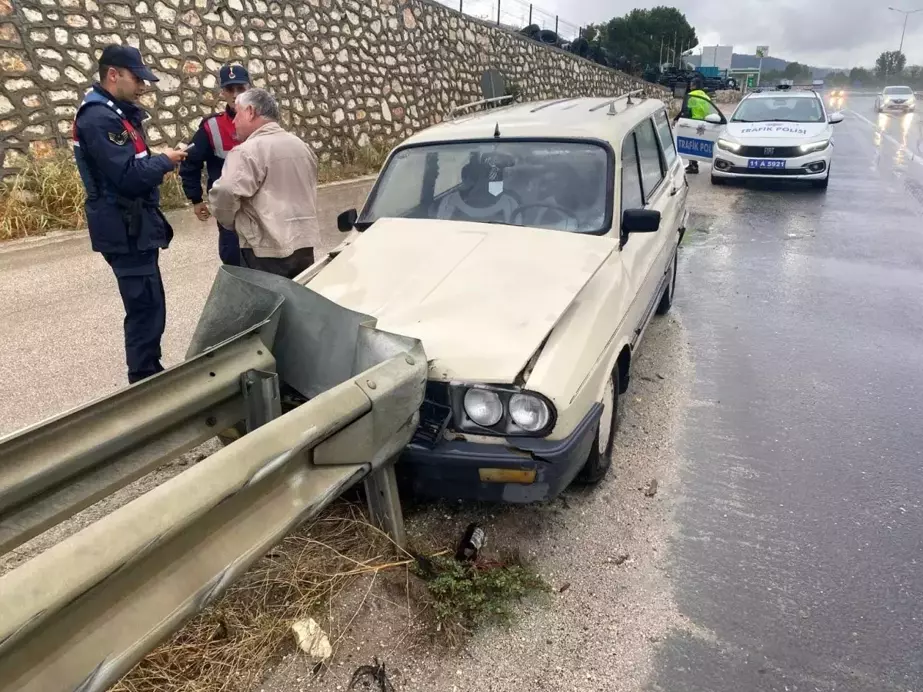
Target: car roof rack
x=484, y=104
x=611, y=102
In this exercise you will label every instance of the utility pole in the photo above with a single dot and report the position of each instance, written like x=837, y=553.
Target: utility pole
x=900, y=50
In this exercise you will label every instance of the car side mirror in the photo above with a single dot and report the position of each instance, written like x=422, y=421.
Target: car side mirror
x=713, y=118
x=835, y=118
x=347, y=220
x=640, y=221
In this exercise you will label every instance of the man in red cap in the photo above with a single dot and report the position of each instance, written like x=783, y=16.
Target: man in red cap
x=122, y=178
x=210, y=146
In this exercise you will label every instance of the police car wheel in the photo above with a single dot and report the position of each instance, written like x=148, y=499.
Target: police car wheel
x=715, y=180
x=821, y=184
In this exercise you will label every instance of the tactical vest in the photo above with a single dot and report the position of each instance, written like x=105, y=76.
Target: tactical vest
x=141, y=150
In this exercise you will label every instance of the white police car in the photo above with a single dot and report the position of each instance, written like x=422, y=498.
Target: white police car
x=772, y=134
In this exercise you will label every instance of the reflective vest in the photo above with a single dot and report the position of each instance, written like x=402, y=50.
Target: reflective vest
x=221, y=133
x=699, y=105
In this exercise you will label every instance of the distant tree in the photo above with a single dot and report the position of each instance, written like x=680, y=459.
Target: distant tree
x=861, y=76
x=890, y=64
x=837, y=79
x=796, y=72
x=914, y=75
x=638, y=36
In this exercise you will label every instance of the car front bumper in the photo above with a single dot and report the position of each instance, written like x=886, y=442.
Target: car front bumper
x=905, y=107
x=814, y=166
x=464, y=470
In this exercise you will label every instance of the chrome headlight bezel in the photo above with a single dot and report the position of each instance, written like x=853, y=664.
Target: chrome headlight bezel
x=728, y=145
x=506, y=426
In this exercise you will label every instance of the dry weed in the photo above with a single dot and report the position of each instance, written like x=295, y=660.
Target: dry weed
x=230, y=645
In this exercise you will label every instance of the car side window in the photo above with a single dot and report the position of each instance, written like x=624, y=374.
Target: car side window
x=632, y=196
x=666, y=137
x=652, y=168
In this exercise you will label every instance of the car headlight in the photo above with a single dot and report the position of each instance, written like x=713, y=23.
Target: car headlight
x=484, y=407
x=504, y=410
x=728, y=145
x=814, y=146
x=529, y=412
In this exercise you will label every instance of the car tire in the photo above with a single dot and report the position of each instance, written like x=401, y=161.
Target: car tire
x=715, y=180
x=599, y=459
x=666, y=300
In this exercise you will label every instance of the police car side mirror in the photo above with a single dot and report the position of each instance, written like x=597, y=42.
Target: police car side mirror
x=835, y=118
x=347, y=220
x=713, y=118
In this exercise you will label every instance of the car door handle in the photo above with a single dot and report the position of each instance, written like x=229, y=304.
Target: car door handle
x=674, y=191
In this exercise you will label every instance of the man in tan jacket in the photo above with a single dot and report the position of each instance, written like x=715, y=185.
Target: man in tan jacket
x=267, y=191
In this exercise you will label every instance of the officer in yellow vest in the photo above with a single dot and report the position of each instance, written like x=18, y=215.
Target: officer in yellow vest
x=696, y=106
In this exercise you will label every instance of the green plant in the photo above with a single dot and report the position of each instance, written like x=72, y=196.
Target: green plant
x=465, y=596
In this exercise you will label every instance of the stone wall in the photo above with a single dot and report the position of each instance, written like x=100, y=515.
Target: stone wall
x=347, y=72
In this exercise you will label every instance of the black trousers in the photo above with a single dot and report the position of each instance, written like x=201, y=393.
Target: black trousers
x=289, y=267
x=141, y=288
x=228, y=246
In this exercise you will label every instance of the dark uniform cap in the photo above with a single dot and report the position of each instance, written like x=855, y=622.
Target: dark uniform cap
x=128, y=57
x=233, y=74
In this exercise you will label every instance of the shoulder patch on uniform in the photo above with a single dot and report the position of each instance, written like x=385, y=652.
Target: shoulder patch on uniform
x=119, y=138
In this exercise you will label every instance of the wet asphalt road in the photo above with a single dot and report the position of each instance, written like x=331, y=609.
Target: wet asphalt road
x=798, y=553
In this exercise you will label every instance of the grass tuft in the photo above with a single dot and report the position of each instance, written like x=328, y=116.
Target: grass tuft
x=467, y=596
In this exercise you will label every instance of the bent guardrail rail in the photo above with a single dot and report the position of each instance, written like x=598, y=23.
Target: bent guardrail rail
x=81, y=614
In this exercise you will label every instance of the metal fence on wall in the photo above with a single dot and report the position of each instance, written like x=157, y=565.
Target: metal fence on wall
x=516, y=15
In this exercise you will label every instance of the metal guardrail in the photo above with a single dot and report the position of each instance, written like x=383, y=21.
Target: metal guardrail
x=79, y=615
x=51, y=471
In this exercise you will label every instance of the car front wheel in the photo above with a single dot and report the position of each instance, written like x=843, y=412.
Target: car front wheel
x=600, y=457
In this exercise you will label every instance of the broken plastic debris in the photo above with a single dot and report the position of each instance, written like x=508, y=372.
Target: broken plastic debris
x=372, y=678
x=312, y=639
x=471, y=543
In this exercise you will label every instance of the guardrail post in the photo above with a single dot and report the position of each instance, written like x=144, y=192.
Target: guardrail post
x=262, y=399
x=385, y=504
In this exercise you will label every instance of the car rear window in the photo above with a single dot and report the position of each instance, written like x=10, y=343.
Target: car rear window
x=560, y=185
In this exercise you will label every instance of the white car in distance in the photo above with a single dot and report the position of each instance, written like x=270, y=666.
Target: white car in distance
x=896, y=99
x=771, y=135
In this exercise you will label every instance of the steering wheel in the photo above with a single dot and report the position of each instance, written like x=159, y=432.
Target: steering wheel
x=564, y=213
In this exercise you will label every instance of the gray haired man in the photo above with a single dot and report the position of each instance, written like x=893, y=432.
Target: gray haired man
x=267, y=191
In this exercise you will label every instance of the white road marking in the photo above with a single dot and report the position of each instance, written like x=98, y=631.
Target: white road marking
x=885, y=135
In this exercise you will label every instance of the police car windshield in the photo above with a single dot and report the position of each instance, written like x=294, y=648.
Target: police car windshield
x=546, y=184
x=898, y=90
x=787, y=109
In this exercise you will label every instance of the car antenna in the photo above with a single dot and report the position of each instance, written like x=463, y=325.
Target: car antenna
x=497, y=130
x=612, y=110
x=629, y=102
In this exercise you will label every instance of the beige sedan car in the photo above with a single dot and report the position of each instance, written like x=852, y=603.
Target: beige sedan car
x=527, y=247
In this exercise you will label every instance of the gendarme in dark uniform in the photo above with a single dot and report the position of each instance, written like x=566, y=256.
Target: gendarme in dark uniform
x=213, y=140
x=122, y=179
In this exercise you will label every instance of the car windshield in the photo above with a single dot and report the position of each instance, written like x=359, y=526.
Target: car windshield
x=789, y=109
x=546, y=184
x=898, y=91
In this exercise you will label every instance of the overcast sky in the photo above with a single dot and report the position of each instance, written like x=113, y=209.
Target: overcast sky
x=822, y=33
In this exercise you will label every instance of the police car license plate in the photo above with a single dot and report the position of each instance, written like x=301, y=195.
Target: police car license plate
x=766, y=163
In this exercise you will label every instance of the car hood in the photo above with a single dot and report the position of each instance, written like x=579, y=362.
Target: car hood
x=778, y=132
x=481, y=298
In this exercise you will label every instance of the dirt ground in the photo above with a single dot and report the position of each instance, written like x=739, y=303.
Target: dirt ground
x=600, y=626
